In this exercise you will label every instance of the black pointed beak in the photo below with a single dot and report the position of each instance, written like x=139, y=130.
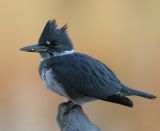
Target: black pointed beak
x=34, y=48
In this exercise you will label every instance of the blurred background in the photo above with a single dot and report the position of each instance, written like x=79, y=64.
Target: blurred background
x=123, y=34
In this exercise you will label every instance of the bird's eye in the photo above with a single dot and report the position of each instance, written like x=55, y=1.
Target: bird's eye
x=52, y=43
x=48, y=42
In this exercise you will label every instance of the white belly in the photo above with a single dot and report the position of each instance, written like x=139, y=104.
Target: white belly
x=49, y=80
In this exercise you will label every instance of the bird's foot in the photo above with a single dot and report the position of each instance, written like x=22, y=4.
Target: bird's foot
x=64, y=110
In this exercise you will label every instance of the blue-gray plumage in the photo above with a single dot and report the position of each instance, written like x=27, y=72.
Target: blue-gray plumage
x=76, y=76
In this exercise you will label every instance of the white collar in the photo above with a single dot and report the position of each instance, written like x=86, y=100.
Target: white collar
x=56, y=54
x=67, y=52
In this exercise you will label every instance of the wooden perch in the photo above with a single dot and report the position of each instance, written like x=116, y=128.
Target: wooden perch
x=71, y=117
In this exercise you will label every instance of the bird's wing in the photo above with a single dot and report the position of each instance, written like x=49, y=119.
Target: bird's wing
x=86, y=75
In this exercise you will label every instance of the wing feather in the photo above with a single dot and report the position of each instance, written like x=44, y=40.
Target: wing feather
x=83, y=74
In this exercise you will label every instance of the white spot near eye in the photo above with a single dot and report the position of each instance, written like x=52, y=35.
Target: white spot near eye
x=48, y=42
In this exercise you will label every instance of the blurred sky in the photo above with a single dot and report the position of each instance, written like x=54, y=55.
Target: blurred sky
x=123, y=34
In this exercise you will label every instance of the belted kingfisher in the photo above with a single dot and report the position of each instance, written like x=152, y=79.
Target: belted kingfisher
x=78, y=77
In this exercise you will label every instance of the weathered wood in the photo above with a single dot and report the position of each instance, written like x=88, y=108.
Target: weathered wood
x=71, y=117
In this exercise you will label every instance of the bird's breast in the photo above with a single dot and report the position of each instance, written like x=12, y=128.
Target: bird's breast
x=49, y=78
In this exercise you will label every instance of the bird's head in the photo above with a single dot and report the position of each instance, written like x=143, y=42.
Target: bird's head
x=52, y=41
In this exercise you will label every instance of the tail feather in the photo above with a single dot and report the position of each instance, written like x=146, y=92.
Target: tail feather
x=138, y=93
x=120, y=100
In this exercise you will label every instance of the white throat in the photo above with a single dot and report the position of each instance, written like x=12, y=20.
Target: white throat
x=56, y=54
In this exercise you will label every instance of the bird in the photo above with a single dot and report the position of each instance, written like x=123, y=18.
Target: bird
x=76, y=76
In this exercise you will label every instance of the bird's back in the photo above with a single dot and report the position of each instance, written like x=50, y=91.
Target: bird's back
x=80, y=74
